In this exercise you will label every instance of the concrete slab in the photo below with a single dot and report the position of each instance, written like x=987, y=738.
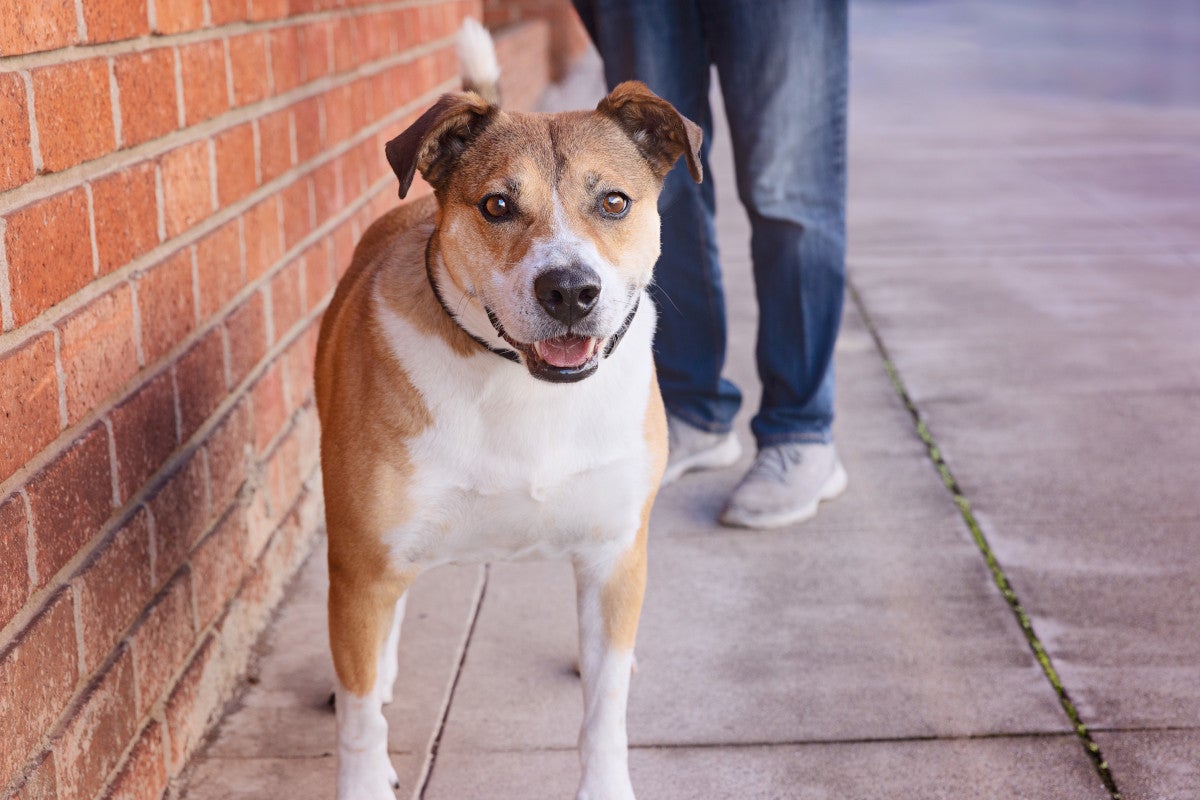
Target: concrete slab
x=286, y=712
x=1031, y=768
x=806, y=639
x=1067, y=458
x=966, y=329
x=1154, y=765
x=252, y=778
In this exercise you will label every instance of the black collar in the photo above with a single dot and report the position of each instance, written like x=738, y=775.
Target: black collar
x=504, y=352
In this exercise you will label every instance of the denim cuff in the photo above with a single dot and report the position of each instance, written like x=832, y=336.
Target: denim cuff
x=799, y=437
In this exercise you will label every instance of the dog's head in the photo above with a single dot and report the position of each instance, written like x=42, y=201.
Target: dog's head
x=549, y=222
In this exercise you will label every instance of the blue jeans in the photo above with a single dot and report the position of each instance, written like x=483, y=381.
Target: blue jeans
x=783, y=70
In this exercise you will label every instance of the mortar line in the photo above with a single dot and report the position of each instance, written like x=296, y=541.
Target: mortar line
x=1090, y=747
x=435, y=744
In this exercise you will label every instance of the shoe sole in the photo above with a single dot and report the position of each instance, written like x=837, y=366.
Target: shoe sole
x=723, y=455
x=834, y=486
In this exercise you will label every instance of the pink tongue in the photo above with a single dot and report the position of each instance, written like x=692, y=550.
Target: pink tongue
x=565, y=351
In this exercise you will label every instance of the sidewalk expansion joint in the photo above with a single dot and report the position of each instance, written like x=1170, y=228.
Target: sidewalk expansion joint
x=435, y=744
x=1082, y=732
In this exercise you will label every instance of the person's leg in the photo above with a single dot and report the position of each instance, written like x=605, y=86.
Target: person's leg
x=662, y=43
x=783, y=72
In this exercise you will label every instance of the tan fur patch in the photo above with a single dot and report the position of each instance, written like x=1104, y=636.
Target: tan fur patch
x=623, y=592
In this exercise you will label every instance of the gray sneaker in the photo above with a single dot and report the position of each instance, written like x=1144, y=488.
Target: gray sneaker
x=692, y=449
x=784, y=485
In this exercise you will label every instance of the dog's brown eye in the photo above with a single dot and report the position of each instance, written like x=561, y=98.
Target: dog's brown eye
x=614, y=204
x=496, y=207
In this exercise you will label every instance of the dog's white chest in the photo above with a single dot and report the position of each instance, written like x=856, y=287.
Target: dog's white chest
x=513, y=467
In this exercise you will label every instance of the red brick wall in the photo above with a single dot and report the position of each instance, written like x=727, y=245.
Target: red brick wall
x=568, y=37
x=181, y=183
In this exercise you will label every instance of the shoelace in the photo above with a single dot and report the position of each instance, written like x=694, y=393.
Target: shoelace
x=775, y=463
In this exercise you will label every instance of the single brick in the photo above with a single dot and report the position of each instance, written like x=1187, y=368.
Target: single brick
x=318, y=274
x=275, y=146
x=146, y=87
x=228, y=448
x=49, y=252
x=187, y=187
x=362, y=104
x=27, y=26
x=143, y=428
x=178, y=16
x=98, y=350
x=28, y=402
x=248, y=60
x=144, y=775
x=327, y=190
x=166, y=305
x=345, y=53
x=37, y=677
x=309, y=141
x=344, y=240
x=112, y=588
x=186, y=710
x=263, y=236
x=297, y=213
x=408, y=28
x=70, y=500
x=375, y=36
x=357, y=166
x=126, y=213
x=163, y=639
x=94, y=740
x=202, y=67
x=268, y=9
x=284, y=472
x=64, y=95
x=287, y=66
x=219, y=265
x=287, y=303
x=314, y=49
x=16, y=157
x=14, y=561
x=110, y=22
x=246, y=328
x=200, y=381
x=219, y=566
x=225, y=11
x=339, y=114
x=235, y=163
x=180, y=511
x=270, y=409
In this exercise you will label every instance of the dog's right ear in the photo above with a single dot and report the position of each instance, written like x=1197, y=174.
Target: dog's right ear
x=434, y=142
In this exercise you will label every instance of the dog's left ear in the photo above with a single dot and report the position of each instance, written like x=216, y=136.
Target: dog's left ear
x=659, y=131
x=434, y=142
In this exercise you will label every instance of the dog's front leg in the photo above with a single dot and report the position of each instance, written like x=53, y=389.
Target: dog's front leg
x=363, y=632
x=610, y=587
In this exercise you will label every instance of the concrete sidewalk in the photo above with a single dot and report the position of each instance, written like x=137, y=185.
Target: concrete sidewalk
x=1025, y=269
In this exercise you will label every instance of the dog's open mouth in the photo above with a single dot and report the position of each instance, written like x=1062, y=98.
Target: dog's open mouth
x=566, y=352
x=562, y=359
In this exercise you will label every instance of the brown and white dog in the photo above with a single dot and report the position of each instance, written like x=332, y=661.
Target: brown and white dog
x=486, y=390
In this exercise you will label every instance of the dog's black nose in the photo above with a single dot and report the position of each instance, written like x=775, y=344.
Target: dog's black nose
x=567, y=295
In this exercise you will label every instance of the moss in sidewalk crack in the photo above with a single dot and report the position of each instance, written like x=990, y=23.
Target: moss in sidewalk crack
x=998, y=576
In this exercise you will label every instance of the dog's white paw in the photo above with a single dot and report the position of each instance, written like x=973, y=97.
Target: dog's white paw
x=366, y=775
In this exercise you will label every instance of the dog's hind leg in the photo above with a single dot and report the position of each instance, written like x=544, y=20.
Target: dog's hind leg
x=609, y=590
x=363, y=622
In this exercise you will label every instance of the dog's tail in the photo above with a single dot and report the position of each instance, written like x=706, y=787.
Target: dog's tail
x=477, y=60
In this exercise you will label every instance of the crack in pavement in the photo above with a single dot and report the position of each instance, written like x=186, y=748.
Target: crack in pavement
x=997, y=571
